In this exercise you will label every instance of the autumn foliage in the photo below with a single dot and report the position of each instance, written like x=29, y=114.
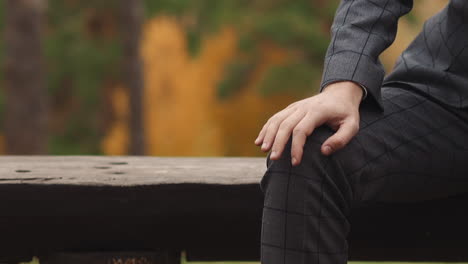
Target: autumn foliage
x=209, y=82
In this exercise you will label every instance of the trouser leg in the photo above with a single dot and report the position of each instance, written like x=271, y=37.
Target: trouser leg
x=414, y=150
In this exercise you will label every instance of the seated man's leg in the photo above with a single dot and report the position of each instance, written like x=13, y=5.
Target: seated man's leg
x=415, y=150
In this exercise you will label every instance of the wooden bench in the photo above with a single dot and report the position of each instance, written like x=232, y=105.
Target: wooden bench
x=79, y=209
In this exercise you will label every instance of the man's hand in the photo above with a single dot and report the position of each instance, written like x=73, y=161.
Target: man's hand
x=336, y=106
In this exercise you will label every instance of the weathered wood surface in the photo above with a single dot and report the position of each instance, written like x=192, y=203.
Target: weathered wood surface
x=209, y=207
x=128, y=171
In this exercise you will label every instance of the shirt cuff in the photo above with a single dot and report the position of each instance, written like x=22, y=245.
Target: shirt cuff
x=364, y=90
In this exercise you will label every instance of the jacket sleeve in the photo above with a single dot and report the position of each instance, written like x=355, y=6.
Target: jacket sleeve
x=361, y=31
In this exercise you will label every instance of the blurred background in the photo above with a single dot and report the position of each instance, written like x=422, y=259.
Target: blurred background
x=160, y=77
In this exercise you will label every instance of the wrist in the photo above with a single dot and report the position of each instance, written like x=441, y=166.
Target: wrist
x=351, y=91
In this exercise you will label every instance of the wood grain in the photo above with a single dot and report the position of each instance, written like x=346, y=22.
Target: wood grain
x=128, y=171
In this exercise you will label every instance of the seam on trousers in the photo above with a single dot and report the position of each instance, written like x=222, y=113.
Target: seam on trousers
x=321, y=207
x=404, y=143
x=286, y=215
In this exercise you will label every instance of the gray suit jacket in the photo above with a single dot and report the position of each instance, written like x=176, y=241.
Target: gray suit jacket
x=436, y=62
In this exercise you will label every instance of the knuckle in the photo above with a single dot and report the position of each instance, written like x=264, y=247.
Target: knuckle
x=299, y=131
x=268, y=136
x=276, y=148
x=355, y=125
x=339, y=142
x=297, y=144
x=285, y=126
x=356, y=128
x=274, y=118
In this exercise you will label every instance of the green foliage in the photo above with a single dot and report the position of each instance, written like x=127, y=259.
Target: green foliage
x=238, y=73
x=298, y=26
x=2, y=59
x=79, y=63
x=76, y=139
x=198, y=17
x=412, y=19
x=294, y=77
x=170, y=7
x=80, y=60
x=193, y=41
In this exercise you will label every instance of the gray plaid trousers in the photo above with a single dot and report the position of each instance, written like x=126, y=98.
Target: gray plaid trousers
x=417, y=149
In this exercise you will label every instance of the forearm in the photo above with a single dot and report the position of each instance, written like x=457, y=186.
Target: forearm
x=361, y=31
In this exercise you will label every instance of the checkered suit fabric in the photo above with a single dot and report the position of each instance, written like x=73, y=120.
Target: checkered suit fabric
x=435, y=63
x=416, y=149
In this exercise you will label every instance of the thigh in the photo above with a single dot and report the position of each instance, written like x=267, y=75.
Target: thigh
x=415, y=150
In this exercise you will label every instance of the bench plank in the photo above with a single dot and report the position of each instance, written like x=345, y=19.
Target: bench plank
x=74, y=203
x=128, y=171
x=209, y=207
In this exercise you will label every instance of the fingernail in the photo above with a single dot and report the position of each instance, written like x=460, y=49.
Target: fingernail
x=293, y=161
x=265, y=145
x=273, y=154
x=327, y=150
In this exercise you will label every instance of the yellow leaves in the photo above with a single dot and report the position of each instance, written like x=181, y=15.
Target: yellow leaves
x=242, y=116
x=183, y=116
x=180, y=91
x=117, y=139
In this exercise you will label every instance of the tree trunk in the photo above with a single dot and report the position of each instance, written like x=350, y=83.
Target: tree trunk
x=132, y=17
x=25, y=106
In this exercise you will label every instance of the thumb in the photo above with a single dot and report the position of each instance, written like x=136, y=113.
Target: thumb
x=343, y=135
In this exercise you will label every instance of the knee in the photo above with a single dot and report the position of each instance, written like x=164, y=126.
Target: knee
x=311, y=150
x=315, y=176
x=312, y=159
